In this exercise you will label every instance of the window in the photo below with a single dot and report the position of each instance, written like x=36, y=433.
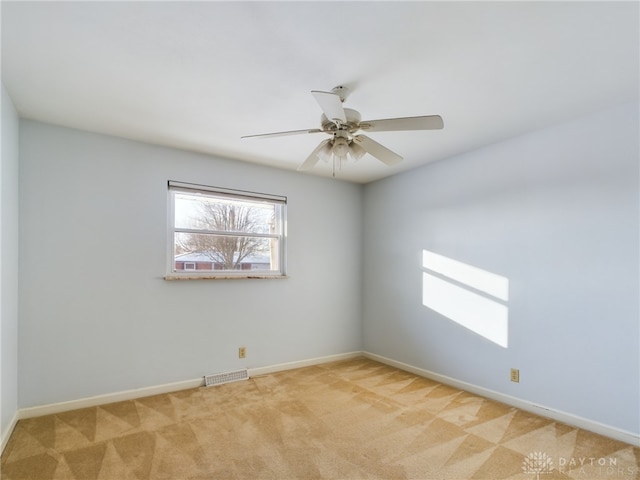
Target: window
x=216, y=232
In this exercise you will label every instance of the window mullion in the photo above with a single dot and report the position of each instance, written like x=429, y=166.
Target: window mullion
x=226, y=233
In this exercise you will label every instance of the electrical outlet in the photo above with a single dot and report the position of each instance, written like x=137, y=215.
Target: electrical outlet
x=515, y=375
x=242, y=352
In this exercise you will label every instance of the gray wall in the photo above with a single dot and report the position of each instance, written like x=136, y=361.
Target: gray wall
x=556, y=212
x=96, y=316
x=8, y=265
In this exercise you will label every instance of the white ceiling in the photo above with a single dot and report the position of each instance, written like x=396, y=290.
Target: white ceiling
x=198, y=75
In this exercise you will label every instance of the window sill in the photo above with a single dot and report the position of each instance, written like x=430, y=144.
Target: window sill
x=222, y=277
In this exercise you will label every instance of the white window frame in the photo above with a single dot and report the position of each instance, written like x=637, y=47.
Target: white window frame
x=277, y=200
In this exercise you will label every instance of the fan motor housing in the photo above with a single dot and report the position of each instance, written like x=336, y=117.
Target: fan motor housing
x=353, y=122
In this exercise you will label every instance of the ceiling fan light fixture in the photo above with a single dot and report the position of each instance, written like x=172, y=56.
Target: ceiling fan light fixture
x=325, y=152
x=340, y=147
x=356, y=151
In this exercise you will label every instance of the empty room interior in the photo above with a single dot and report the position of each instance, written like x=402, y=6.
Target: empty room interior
x=399, y=239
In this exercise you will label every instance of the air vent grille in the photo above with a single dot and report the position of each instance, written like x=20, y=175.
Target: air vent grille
x=220, y=378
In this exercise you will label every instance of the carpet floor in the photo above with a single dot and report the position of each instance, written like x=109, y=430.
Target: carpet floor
x=354, y=419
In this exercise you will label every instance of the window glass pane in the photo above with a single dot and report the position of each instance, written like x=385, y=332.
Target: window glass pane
x=215, y=231
x=196, y=251
x=205, y=212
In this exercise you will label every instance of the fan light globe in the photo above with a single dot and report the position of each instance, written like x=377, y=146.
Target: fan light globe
x=340, y=147
x=325, y=153
x=356, y=151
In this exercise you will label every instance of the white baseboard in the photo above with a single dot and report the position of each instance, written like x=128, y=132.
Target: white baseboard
x=254, y=372
x=4, y=436
x=564, y=417
x=53, y=408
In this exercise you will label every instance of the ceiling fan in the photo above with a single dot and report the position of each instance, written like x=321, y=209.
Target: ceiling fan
x=343, y=126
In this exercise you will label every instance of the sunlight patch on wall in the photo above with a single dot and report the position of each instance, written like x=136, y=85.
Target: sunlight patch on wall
x=468, y=295
x=487, y=282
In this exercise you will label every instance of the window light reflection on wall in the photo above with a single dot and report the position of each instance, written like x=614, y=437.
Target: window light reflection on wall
x=472, y=297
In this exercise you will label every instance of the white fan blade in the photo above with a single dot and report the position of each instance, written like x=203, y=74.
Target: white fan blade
x=331, y=106
x=282, y=134
x=428, y=122
x=380, y=152
x=312, y=159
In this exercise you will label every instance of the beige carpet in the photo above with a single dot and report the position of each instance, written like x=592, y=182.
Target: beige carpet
x=356, y=419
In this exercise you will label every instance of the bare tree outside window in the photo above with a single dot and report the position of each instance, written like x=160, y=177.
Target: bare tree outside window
x=228, y=250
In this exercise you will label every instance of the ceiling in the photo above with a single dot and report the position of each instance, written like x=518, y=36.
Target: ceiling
x=199, y=75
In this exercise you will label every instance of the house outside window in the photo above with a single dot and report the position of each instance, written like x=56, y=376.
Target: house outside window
x=218, y=232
